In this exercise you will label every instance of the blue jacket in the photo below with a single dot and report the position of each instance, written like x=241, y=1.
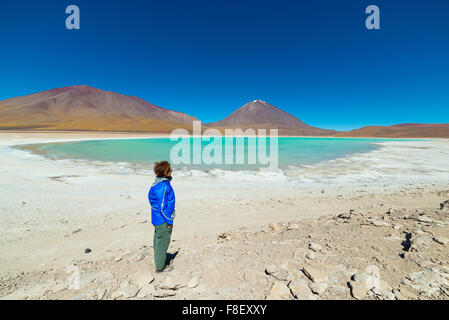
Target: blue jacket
x=162, y=201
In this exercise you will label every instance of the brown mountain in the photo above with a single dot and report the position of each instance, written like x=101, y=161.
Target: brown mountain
x=260, y=114
x=87, y=108
x=422, y=125
x=407, y=130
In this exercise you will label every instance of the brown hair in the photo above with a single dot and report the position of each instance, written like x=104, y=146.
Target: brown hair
x=161, y=169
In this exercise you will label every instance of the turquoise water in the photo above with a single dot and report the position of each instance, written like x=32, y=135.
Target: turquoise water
x=291, y=151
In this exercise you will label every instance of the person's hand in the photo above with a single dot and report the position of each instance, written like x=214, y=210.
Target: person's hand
x=170, y=226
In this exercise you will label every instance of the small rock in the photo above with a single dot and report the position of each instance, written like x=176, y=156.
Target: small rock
x=424, y=219
x=311, y=255
x=358, y=290
x=118, y=258
x=76, y=231
x=275, y=227
x=129, y=291
x=87, y=250
x=399, y=295
x=279, y=291
x=301, y=290
x=315, y=275
x=224, y=236
x=147, y=290
x=441, y=240
x=172, y=283
x=444, y=205
x=378, y=223
x=163, y=293
x=193, y=283
x=144, y=279
x=116, y=295
x=100, y=292
x=292, y=226
x=344, y=215
x=315, y=247
x=318, y=287
x=280, y=273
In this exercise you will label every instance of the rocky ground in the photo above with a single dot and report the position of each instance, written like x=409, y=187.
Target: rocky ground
x=381, y=253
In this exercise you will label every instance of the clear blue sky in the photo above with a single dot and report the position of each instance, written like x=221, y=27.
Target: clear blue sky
x=314, y=59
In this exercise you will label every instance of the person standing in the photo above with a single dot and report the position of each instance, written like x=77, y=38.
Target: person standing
x=162, y=200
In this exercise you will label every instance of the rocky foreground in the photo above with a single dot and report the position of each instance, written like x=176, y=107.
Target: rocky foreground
x=386, y=254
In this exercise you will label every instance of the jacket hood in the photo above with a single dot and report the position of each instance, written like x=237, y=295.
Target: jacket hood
x=161, y=179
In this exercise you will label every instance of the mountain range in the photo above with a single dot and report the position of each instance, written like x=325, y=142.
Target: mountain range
x=86, y=108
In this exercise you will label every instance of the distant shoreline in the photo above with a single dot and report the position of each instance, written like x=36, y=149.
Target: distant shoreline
x=152, y=135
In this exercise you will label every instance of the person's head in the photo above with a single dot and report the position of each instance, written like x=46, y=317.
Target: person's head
x=162, y=169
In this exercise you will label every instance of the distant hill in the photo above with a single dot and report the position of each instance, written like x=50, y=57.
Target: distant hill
x=260, y=114
x=409, y=130
x=87, y=108
x=422, y=125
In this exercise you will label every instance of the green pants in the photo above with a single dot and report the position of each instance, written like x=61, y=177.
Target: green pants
x=161, y=241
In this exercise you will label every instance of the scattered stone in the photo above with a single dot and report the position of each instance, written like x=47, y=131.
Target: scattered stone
x=358, y=290
x=318, y=287
x=399, y=295
x=429, y=282
x=146, y=290
x=292, y=226
x=116, y=295
x=301, y=290
x=424, y=219
x=275, y=227
x=224, y=236
x=144, y=279
x=172, y=283
x=346, y=215
x=118, y=258
x=87, y=250
x=279, y=291
x=403, y=292
x=315, y=247
x=315, y=275
x=441, y=240
x=278, y=272
x=76, y=231
x=444, y=205
x=140, y=257
x=129, y=291
x=311, y=255
x=163, y=293
x=100, y=292
x=193, y=283
x=378, y=223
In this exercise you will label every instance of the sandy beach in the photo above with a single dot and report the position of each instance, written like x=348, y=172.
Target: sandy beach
x=52, y=210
